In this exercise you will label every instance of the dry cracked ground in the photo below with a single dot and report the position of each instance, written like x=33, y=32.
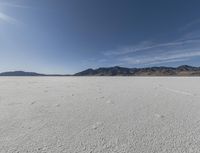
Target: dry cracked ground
x=99, y=115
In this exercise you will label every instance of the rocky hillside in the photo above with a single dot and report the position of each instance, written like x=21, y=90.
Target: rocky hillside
x=183, y=70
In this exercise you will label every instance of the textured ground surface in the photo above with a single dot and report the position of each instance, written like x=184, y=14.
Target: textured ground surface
x=99, y=115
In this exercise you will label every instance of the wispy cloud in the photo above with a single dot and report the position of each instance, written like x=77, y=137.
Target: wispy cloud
x=168, y=61
x=191, y=35
x=163, y=58
x=190, y=25
x=6, y=4
x=149, y=53
x=186, y=47
x=146, y=47
x=7, y=18
x=4, y=17
x=129, y=49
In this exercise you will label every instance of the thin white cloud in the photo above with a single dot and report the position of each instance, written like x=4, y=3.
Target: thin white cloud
x=169, y=61
x=193, y=35
x=6, y=4
x=129, y=49
x=189, y=40
x=148, y=53
x=7, y=18
x=164, y=58
x=190, y=25
x=145, y=47
x=4, y=17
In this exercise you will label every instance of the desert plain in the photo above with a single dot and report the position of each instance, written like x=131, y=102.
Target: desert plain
x=99, y=114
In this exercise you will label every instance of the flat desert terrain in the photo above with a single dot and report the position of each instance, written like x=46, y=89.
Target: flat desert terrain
x=99, y=115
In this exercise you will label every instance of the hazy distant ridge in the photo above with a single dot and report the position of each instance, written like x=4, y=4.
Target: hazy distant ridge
x=20, y=73
x=23, y=73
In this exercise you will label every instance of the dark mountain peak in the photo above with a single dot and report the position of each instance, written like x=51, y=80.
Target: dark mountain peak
x=118, y=67
x=89, y=70
x=86, y=72
x=186, y=68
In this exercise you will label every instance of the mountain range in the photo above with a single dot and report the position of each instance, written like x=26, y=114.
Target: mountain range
x=183, y=70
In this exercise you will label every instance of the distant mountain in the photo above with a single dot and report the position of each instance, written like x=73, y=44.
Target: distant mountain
x=20, y=73
x=23, y=73
x=183, y=70
x=105, y=71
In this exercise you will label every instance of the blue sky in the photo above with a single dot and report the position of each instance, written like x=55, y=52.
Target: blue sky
x=67, y=36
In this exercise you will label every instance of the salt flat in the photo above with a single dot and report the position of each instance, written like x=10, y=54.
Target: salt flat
x=100, y=114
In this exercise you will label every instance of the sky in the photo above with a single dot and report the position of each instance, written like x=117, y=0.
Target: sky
x=68, y=36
